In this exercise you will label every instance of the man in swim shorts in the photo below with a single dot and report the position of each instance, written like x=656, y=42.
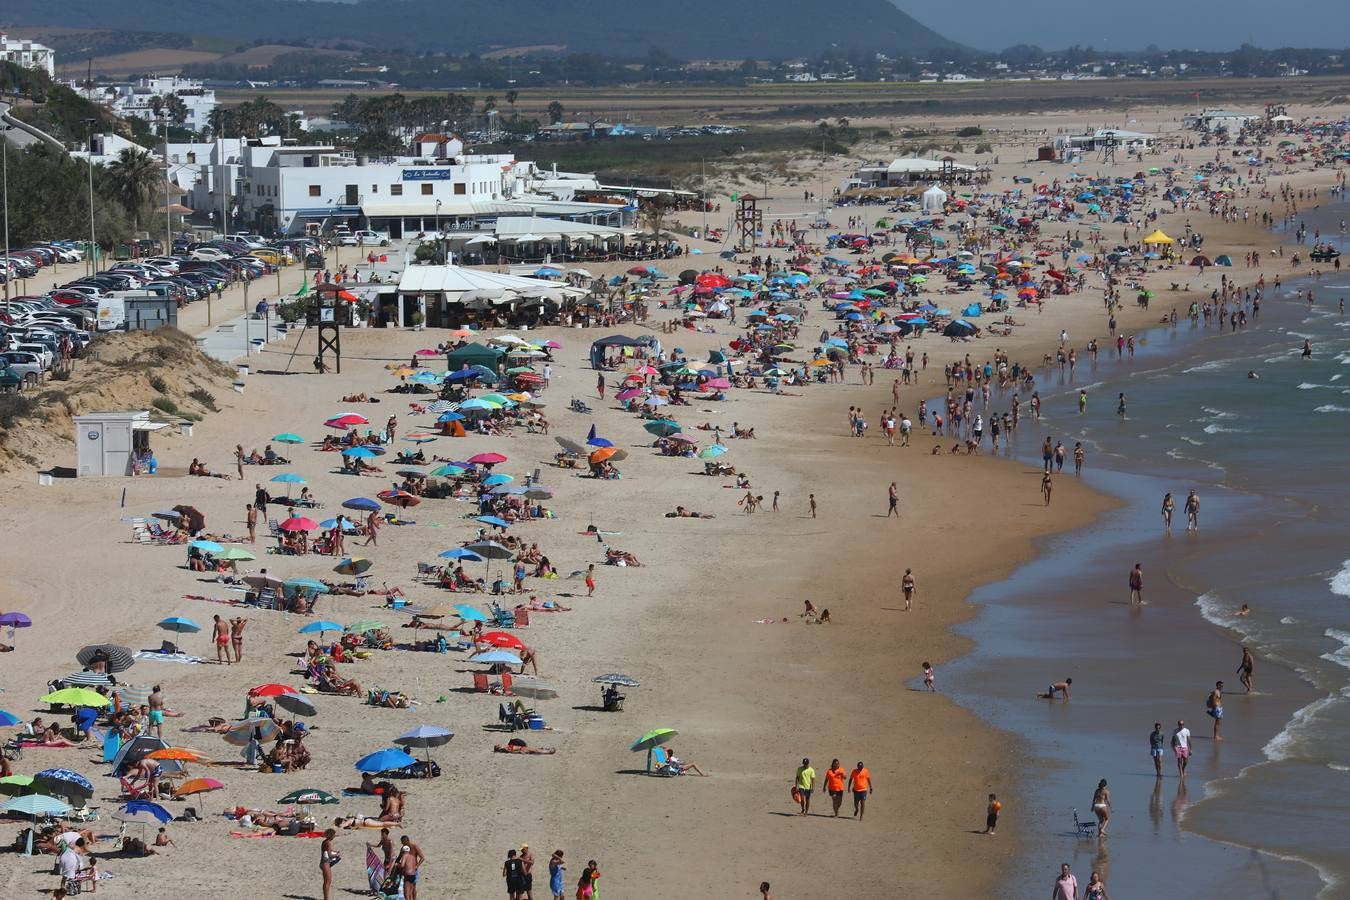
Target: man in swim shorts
x=221, y=633
x=156, y=716
x=1181, y=746
x=1155, y=747
x=1214, y=707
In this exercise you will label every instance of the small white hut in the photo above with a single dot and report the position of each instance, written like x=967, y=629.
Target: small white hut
x=933, y=199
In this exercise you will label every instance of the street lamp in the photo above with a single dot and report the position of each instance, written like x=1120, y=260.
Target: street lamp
x=4, y=169
x=93, y=241
x=168, y=219
x=440, y=239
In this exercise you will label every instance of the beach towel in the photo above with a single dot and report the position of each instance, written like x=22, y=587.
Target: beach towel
x=183, y=658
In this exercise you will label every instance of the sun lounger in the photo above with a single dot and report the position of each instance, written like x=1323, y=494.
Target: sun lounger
x=661, y=764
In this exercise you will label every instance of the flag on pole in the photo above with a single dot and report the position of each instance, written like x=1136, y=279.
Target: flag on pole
x=304, y=288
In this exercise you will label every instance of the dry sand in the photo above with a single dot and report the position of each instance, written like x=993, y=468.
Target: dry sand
x=749, y=699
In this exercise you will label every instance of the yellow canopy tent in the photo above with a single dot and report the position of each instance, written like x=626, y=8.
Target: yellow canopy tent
x=1157, y=237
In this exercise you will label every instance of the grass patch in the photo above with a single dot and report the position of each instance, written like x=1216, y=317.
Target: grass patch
x=165, y=405
x=158, y=384
x=205, y=398
x=14, y=407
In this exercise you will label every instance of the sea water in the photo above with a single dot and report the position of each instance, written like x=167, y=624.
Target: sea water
x=1263, y=812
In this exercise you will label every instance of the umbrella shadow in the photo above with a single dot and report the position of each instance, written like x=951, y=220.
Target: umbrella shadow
x=634, y=772
x=590, y=708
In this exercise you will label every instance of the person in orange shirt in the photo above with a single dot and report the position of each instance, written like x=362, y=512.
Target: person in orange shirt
x=834, y=784
x=991, y=815
x=860, y=782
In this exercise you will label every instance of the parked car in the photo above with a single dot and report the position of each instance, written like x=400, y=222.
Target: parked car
x=364, y=239
x=26, y=365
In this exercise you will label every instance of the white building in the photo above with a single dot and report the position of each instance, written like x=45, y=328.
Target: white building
x=28, y=54
x=1216, y=119
x=1136, y=141
x=138, y=99
x=106, y=148
x=902, y=172
x=291, y=189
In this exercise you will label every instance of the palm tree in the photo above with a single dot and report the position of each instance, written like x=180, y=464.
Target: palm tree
x=511, y=97
x=134, y=177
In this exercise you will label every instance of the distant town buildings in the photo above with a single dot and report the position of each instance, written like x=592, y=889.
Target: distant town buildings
x=29, y=54
x=146, y=98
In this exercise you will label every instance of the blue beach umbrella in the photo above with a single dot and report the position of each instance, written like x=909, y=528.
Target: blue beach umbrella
x=141, y=810
x=180, y=625
x=470, y=614
x=493, y=520
x=385, y=760
x=8, y=718
x=207, y=546
x=460, y=553
x=308, y=584
x=320, y=627
x=359, y=453
x=363, y=504
x=499, y=478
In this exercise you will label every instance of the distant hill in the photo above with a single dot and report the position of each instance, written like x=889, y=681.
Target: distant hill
x=719, y=29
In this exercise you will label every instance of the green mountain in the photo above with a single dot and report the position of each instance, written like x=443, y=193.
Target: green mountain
x=718, y=29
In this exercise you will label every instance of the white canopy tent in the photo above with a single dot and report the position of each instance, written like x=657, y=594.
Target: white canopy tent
x=933, y=199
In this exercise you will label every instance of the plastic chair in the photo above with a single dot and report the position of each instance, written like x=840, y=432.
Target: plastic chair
x=480, y=682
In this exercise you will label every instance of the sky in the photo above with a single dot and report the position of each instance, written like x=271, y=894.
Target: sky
x=1197, y=24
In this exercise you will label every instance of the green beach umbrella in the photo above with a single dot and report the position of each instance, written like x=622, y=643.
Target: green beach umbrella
x=235, y=553
x=654, y=738
x=287, y=438
x=309, y=797
x=75, y=697
x=364, y=625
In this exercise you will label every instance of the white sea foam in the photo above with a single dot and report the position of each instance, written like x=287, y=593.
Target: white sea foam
x=1332, y=408
x=1212, y=608
x=1212, y=428
x=1214, y=365
x=1341, y=655
x=1192, y=441
x=1218, y=413
x=1283, y=745
x=1338, y=376
x=1308, y=386
x=1288, y=620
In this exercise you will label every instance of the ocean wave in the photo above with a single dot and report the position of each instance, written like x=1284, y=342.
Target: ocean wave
x=1308, y=386
x=1192, y=441
x=1341, y=655
x=1219, y=413
x=1288, y=620
x=1285, y=744
x=1337, y=377
x=1212, y=428
x=1214, y=610
x=1332, y=408
x=1213, y=365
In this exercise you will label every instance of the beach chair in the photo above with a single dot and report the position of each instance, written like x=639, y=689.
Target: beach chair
x=506, y=684
x=140, y=531
x=133, y=791
x=1083, y=829
x=274, y=528
x=428, y=572
x=480, y=682
x=503, y=618
x=661, y=764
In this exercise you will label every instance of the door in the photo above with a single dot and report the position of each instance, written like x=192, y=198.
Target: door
x=352, y=198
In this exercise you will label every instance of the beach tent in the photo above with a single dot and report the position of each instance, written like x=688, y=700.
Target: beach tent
x=959, y=328
x=972, y=310
x=621, y=340
x=136, y=749
x=933, y=199
x=1158, y=237
x=473, y=355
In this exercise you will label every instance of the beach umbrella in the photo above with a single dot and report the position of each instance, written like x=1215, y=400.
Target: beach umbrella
x=180, y=625
x=8, y=718
x=142, y=812
x=652, y=739
x=419, y=437
x=683, y=439
x=532, y=687
x=63, y=783
x=133, y=694
x=492, y=520
x=308, y=584
x=362, y=504
x=271, y=689
x=178, y=754
x=385, y=760
x=264, y=581
x=347, y=420
x=448, y=471
x=287, y=478
x=628, y=394
x=503, y=640
x=15, y=785
x=426, y=737
x=487, y=459
x=401, y=499
x=538, y=492
x=15, y=620
x=236, y=554
x=436, y=407
x=296, y=704
x=364, y=625
x=119, y=658
x=493, y=657
x=206, y=546
x=359, y=453
x=310, y=797
x=353, y=565
x=35, y=805
x=491, y=550
x=299, y=523
x=240, y=732
x=87, y=679
x=460, y=553
x=287, y=437
x=662, y=427
x=320, y=627
x=497, y=479
x=197, y=786
x=616, y=678
x=471, y=614
x=599, y=456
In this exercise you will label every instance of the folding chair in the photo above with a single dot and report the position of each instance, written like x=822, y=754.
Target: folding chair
x=1084, y=829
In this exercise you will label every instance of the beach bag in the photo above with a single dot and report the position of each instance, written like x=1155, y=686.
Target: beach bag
x=796, y=795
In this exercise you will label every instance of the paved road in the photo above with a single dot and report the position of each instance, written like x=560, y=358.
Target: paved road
x=13, y=131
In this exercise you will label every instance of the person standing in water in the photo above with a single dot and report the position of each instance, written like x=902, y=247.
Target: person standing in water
x=1192, y=510
x=1120, y=405
x=1137, y=584
x=1101, y=807
x=1181, y=746
x=1155, y=747
x=1245, y=669
x=1214, y=707
x=1168, y=505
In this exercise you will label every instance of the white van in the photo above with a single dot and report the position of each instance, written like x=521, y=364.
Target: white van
x=112, y=309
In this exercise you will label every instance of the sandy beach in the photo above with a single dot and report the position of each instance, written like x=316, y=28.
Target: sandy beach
x=709, y=623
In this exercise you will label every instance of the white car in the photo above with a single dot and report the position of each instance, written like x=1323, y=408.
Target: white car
x=364, y=239
x=209, y=254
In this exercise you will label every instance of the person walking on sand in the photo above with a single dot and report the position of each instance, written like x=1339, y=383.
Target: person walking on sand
x=220, y=631
x=803, y=781
x=860, y=783
x=811, y=502
x=1155, y=747
x=1214, y=707
x=590, y=580
x=775, y=501
x=835, y=776
x=328, y=858
x=409, y=862
x=929, y=677
x=1101, y=806
x=1192, y=510
x=1181, y=746
x=1066, y=886
x=1137, y=585
x=251, y=522
x=1120, y=406
x=907, y=586
x=1168, y=505
x=1047, y=486
x=373, y=523
x=600, y=385
x=237, y=625
x=1245, y=669
x=1079, y=454
x=991, y=814
x=892, y=501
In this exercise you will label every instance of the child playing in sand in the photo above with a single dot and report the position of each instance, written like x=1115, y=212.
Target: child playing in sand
x=928, y=676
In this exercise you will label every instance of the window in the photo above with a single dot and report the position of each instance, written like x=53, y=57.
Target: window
x=426, y=190
x=459, y=189
x=396, y=190
x=374, y=188
x=314, y=190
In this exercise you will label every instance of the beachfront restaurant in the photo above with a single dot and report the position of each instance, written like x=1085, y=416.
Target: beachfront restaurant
x=456, y=297
x=533, y=239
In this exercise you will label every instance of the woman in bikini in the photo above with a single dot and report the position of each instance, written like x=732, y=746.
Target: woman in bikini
x=1101, y=806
